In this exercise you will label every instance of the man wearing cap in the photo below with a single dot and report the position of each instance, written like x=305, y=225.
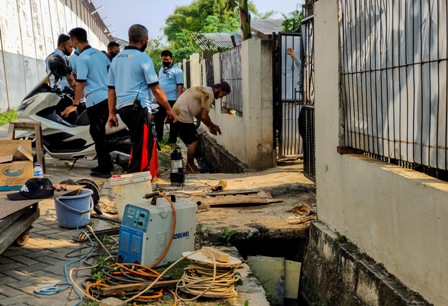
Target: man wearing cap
x=196, y=102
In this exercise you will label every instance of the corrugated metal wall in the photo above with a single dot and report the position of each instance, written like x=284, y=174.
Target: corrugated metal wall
x=28, y=33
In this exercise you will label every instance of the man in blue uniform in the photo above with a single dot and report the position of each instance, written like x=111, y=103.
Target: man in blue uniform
x=92, y=66
x=171, y=80
x=131, y=79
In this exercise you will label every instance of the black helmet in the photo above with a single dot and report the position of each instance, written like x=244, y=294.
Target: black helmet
x=59, y=67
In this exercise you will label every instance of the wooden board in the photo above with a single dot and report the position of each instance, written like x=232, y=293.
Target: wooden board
x=8, y=207
x=259, y=198
x=232, y=192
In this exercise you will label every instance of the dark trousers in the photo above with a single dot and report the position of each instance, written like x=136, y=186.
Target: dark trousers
x=98, y=115
x=159, y=120
x=142, y=139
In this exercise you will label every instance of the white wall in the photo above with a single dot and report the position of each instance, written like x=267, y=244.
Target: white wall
x=250, y=137
x=397, y=216
x=28, y=33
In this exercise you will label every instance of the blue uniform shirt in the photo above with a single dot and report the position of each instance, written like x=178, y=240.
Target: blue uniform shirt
x=73, y=59
x=131, y=74
x=169, y=78
x=92, y=66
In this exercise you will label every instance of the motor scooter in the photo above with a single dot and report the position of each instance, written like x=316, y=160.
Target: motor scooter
x=68, y=138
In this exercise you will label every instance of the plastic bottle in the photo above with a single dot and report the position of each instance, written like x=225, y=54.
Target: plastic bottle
x=38, y=171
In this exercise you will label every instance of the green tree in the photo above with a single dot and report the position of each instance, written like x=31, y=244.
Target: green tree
x=292, y=21
x=201, y=16
x=154, y=49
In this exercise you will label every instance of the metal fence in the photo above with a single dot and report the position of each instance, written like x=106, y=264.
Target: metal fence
x=288, y=95
x=231, y=72
x=306, y=118
x=209, y=70
x=394, y=79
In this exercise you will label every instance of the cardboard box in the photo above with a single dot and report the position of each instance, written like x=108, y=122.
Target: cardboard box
x=13, y=175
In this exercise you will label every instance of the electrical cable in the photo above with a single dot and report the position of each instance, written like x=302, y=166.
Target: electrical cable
x=197, y=280
x=194, y=174
x=53, y=289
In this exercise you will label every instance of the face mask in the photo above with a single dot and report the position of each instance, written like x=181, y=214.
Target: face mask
x=166, y=64
x=113, y=54
x=66, y=52
x=77, y=51
x=143, y=48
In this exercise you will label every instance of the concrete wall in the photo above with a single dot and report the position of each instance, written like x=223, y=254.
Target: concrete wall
x=397, y=216
x=250, y=138
x=28, y=33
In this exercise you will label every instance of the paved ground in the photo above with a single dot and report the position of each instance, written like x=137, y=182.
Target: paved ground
x=41, y=261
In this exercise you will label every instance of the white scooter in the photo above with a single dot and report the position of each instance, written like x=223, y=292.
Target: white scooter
x=68, y=138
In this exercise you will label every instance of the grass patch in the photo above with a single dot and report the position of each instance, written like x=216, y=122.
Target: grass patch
x=7, y=117
x=175, y=272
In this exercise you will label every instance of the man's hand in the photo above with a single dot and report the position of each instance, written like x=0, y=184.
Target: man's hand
x=214, y=129
x=68, y=111
x=112, y=121
x=172, y=115
x=291, y=53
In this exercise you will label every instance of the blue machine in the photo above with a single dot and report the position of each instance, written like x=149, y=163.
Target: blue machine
x=145, y=231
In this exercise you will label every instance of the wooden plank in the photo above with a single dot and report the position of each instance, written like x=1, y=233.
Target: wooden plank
x=119, y=289
x=241, y=200
x=232, y=192
x=18, y=227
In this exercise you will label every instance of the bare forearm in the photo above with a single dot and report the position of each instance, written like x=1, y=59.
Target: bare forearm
x=180, y=90
x=205, y=118
x=79, y=92
x=111, y=101
x=160, y=97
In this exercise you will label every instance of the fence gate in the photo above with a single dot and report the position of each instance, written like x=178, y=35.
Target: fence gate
x=288, y=95
x=307, y=116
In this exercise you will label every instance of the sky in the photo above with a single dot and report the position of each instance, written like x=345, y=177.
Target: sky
x=119, y=15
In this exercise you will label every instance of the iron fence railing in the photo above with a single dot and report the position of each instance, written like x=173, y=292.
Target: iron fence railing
x=209, y=70
x=394, y=80
x=231, y=72
x=307, y=114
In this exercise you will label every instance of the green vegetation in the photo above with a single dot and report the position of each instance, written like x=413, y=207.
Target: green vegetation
x=227, y=235
x=175, y=272
x=188, y=22
x=8, y=116
x=292, y=21
x=164, y=154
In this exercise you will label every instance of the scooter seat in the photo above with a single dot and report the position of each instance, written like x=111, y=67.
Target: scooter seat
x=56, y=118
x=83, y=118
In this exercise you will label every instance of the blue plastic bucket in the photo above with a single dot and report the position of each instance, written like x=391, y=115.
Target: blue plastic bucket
x=74, y=211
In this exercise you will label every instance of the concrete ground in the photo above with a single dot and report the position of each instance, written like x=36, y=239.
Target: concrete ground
x=41, y=261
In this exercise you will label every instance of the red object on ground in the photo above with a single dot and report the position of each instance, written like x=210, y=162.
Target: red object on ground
x=154, y=163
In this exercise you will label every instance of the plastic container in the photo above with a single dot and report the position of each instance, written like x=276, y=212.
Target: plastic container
x=38, y=171
x=74, y=211
x=129, y=188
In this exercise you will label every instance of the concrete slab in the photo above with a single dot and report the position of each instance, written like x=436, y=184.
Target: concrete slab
x=271, y=273
x=292, y=279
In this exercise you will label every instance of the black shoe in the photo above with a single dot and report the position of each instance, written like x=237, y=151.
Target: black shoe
x=98, y=170
x=105, y=175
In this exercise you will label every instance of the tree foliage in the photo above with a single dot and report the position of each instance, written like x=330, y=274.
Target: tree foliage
x=292, y=21
x=203, y=16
